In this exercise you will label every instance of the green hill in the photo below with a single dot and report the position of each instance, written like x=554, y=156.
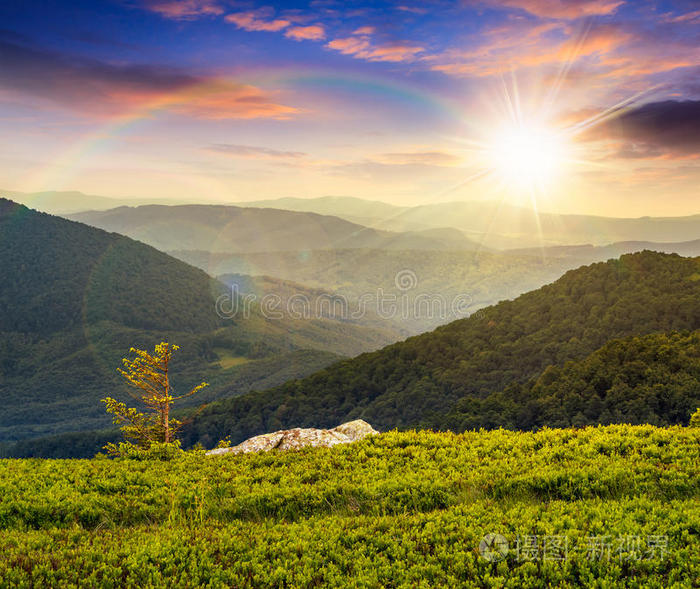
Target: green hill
x=74, y=299
x=421, y=380
x=648, y=379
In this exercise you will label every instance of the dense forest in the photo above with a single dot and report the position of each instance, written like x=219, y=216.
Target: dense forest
x=649, y=379
x=422, y=380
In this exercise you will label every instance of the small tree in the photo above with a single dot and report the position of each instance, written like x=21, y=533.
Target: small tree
x=695, y=419
x=149, y=373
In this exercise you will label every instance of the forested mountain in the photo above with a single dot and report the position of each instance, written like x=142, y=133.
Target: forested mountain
x=421, y=381
x=217, y=228
x=640, y=379
x=74, y=299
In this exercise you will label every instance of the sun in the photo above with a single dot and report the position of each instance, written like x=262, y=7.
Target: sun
x=527, y=157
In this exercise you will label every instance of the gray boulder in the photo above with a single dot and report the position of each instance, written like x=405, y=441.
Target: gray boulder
x=293, y=439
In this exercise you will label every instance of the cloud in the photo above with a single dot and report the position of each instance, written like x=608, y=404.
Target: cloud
x=255, y=21
x=309, y=33
x=412, y=9
x=688, y=17
x=430, y=158
x=668, y=129
x=364, y=31
x=184, y=9
x=249, y=151
x=563, y=9
x=349, y=45
x=100, y=89
x=222, y=99
x=619, y=50
x=362, y=48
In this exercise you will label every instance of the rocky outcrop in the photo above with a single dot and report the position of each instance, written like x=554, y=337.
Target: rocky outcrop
x=293, y=439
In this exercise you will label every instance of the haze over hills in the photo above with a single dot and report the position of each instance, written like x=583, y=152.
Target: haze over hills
x=460, y=224
x=420, y=382
x=429, y=281
x=59, y=202
x=357, y=210
x=219, y=228
x=484, y=278
x=590, y=253
x=500, y=225
x=74, y=299
x=298, y=300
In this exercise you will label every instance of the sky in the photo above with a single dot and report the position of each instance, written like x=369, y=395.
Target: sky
x=571, y=106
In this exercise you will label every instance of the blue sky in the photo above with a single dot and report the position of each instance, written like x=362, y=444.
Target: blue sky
x=223, y=101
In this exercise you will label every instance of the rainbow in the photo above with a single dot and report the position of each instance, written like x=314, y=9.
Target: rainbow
x=63, y=168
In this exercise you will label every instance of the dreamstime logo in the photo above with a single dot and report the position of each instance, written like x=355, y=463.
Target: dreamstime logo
x=406, y=280
x=405, y=301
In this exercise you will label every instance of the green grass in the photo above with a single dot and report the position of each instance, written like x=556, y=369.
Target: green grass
x=401, y=509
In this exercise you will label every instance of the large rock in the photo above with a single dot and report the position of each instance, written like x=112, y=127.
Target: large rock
x=293, y=439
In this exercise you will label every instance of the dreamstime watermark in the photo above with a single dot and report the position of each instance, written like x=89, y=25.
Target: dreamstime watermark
x=558, y=547
x=405, y=302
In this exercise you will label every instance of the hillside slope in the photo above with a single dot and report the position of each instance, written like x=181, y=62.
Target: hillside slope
x=74, y=299
x=640, y=379
x=419, y=381
x=217, y=228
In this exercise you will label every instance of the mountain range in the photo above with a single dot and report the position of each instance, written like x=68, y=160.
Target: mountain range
x=499, y=225
x=486, y=224
x=218, y=228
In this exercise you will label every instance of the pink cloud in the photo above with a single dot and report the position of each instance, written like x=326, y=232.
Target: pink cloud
x=364, y=31
x=252, y=21
x=310, y=33
x=515, y=46
x=349, y=45
x=397, y=52
x=184, y=9
x=564, y=9
x=688, y=17
x=219, y=100
x=361, y=48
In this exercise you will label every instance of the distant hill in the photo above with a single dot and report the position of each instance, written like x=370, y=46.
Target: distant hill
x=591, y=253
x=499, y=225
x=74, y=299
x=421, y=381
x=481, y=278
x=230, y=229
x=71, y=201
x=357, y=210
x=298, y=300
